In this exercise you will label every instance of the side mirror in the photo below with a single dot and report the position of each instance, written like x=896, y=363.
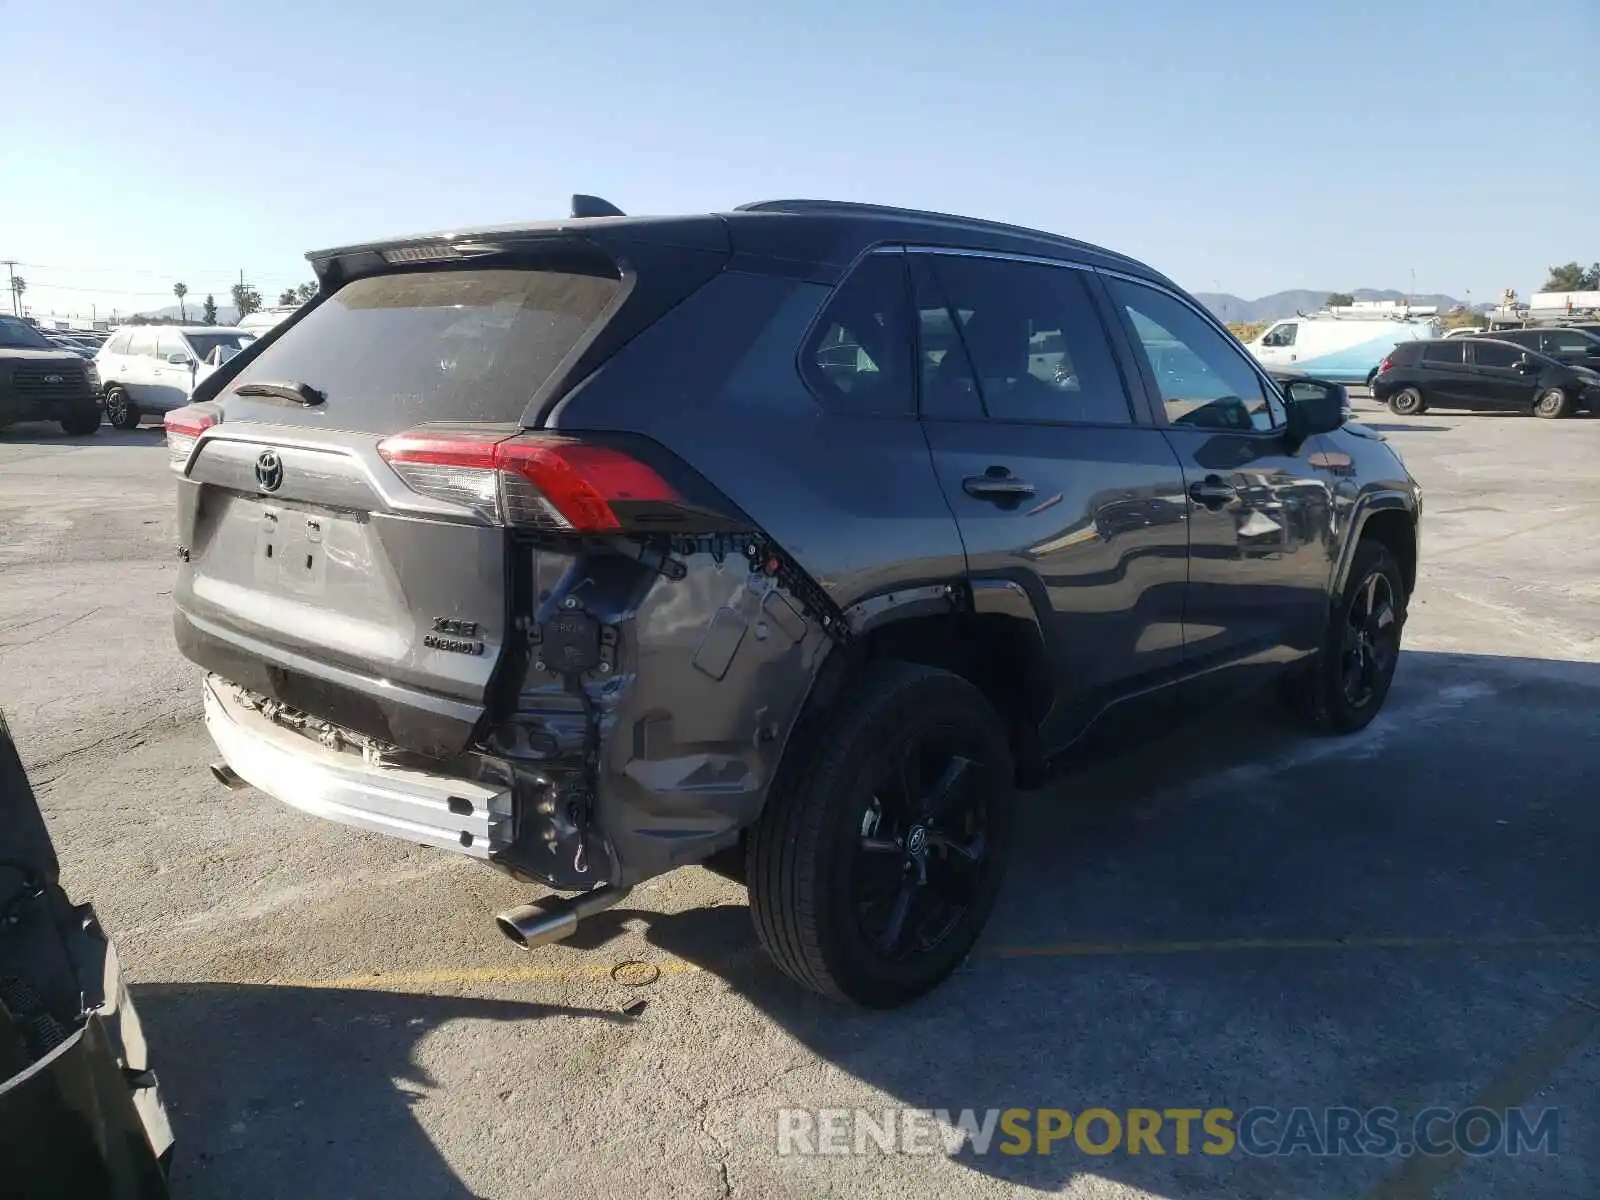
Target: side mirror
x=1315, y=407
x=1526, y=366
x=180, y=359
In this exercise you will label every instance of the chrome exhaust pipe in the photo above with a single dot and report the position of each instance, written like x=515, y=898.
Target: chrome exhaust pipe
x=555, y=917
x=227, y=776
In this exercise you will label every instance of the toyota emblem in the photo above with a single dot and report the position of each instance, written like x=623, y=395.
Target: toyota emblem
x=53, y=379
x=269, y=471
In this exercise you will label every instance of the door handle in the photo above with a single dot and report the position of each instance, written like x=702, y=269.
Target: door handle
x=998, y=484
x=1212, y=492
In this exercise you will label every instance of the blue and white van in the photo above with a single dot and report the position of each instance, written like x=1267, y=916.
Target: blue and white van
x=1344, y=345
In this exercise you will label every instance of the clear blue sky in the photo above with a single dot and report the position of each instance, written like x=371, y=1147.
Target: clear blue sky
x=1236, y=145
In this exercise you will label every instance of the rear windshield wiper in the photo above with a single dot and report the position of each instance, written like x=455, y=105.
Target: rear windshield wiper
x=300, y=393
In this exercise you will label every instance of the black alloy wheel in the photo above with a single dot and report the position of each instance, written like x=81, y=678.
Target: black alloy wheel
x=923, y=844
x=1371, y=640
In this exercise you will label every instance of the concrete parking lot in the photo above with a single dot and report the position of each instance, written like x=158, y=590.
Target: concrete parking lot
x=1229, y=916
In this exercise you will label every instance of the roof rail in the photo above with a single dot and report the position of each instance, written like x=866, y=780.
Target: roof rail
x=594, y=206
x=849, y=207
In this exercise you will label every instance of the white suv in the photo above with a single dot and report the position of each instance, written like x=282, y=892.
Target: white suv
x=148, y=370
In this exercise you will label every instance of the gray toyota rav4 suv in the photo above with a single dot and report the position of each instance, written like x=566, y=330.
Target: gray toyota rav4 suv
x=794, y=538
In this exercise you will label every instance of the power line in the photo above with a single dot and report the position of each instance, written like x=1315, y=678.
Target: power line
x=230, y=272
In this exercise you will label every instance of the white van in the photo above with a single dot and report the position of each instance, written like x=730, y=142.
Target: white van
x=147, y=370
x=1339, y=347
x=264, y=320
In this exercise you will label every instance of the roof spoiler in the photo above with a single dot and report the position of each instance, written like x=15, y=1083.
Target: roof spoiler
x=594, y=206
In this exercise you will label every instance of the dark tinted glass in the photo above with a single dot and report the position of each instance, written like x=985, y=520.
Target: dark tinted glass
x=395, y=350
x=1568, y=341
x=858, y=357
x=1497, y=354
x=1034, y=346
x=205, y=343
x=1451, y=353
x=17, y=334
x=1205, y=381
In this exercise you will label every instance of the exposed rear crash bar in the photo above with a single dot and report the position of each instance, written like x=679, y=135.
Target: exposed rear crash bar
x=555, y=917
x=431, y=810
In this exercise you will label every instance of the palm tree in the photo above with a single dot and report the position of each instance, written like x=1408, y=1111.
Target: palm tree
x=180, y=290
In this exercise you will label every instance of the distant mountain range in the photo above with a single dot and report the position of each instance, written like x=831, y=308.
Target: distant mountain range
x=226, y=313
x=1286, y=304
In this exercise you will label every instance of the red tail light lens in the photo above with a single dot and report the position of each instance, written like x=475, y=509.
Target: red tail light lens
x=184, y=427
x=1385, y=365
x=536, y=481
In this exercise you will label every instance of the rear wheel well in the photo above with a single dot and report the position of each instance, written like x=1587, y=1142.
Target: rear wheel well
x=1395, y=531
x=1001, y=656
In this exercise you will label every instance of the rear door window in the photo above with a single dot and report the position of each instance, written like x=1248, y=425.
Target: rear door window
x=1496, y=355
x=143, y=343
x=1025, y=336
x=858, y=357
x=1449, y=353
x=391, y=351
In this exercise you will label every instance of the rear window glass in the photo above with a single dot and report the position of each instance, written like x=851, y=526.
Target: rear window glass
x=1452, y=352
x=473, y=345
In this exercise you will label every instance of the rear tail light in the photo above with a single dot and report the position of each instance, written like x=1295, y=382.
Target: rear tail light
x=535, y=481
x=1385, y=365
x=184, y=427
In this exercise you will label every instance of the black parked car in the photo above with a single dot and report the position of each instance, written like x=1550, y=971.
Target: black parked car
x=1474, y=372
x=792, y=538
x=1564, y=343
x=41, y=381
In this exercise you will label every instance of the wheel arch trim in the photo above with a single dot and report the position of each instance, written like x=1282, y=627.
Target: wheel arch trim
x=1364, y=509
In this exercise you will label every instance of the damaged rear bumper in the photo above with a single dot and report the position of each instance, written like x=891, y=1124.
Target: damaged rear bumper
x=639, y=730
x=458, y=815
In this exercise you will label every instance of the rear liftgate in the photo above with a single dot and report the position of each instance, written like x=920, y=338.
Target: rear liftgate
x=666, y=649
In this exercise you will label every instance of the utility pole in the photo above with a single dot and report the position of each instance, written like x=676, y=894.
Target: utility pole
x=11, y=282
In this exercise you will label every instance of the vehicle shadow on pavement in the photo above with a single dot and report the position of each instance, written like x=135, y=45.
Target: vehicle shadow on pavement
x=293, y=1091
x=34, y=433
x=1239, y=915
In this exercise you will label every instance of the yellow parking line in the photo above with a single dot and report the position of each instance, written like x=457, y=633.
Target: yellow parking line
x=549, y=971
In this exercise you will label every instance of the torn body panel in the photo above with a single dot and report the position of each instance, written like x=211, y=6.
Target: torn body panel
x=653, y=703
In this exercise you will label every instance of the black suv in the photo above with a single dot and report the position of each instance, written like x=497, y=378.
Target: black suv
x=1564, y=343
x=794, y=538
x=1472, y=372
x=41, y=381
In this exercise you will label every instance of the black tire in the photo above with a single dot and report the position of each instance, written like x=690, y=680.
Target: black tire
x=82, y=425
x=1552, y=404
x=1323, y=691
x=1407, y=402
x=839, y=842
x=121, y=411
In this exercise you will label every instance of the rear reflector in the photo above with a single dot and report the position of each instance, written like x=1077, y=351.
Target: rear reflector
x=184, y=427
x=528, y=481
